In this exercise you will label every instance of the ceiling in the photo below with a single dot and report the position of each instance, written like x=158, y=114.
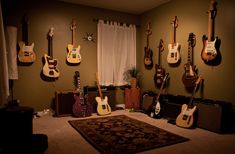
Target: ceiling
x=127, y=6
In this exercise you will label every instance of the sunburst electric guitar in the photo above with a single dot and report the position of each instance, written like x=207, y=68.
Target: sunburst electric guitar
x=50, y=67
x=26, y=53
x=186, y=117
x=156, y=109
x=209, y=51
x=190, y=75
x=173, y=55
x=73, y=55
x=148, y=53
x=103, y=107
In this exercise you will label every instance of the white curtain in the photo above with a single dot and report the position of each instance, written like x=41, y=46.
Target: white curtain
x=4, y=85
x=116, y=51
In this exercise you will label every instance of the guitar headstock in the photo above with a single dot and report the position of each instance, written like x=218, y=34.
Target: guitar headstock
x=212, y=9
x=51, y=32
x=175, y=22
x=161, y=45
x=73, y=25
x=148, y=31
x=192, y=39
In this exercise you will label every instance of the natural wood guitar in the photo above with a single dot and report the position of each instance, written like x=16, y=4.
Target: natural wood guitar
x=159, y=70
x=73, y=55
x=190, y=75
x=186, y=117
x=26, y=53
x=209, y=51
x=50, y=67
x=103, y=107
x=148, y=56
x=173, y=55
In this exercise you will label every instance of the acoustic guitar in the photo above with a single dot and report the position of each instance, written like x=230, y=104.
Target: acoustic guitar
x=156, y=108
x=173, y=55
x=81, y=106
x=148, y=53
x=190, y=75
x=26, y=53
x=103, y=107
x=159, y=70
x=50, y=67
x=73, y=55
x=186, y=117
x=209, y=51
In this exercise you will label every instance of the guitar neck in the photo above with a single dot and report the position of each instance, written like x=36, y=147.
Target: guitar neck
x=98, y=85
x=50, y=48
x=159, y=57
x=25, y=31
x=73, y=37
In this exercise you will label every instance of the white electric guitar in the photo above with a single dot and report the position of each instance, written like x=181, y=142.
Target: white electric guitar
x=103, y=107
x=73, y=55
x=173, y=55
x=49, y=68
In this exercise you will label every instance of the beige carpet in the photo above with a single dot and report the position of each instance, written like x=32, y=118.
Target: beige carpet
x=63, y=139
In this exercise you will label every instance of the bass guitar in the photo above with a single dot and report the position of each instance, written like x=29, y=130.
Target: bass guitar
x=160, y=71
x=173, y=55
x=186, y=117
x=103, y=107
x=190, y=75
x=26, y=53
x=156, y=109
x=49, y=68
x=73, y=55
x=81, y=106
x=209, y=51
x=148, y=53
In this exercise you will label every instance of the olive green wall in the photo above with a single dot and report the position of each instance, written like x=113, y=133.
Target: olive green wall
x=30, y=89
x=218, y=80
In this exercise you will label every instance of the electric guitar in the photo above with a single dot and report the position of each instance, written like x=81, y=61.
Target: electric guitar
x=156, y=109
x=148, y=61
x=173, y=55
x=73, y=55
x=209, y=51
x=190, y=75
x=49, y=68
x=81, y=105
x=186, y=117
x=26, y=53
x=160, y=71
x=103, y=107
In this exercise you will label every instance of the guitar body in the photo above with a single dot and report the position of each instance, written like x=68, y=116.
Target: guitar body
x=156, y=111
x=49, y=68
x=209, y=50
x=103, y=107
x=77, y=106
x=26, y=53
x=148, y=57
x=190, y=76
x=73, y=55
x=185, y=118
x=159, y=75
x=173, y=55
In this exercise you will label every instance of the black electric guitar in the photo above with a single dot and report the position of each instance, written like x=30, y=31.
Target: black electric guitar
x=160, y=71
x=50, y=67
x=156, y=108
x=103, y=107
x=81, y=105
x=190, y=75
x=148, y=53
x=186, y=117
x=26, y=53
x=209, y=51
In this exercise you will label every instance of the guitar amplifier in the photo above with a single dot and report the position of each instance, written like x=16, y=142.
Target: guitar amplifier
x=92, y=92
x=214, y=116
x=64, y=101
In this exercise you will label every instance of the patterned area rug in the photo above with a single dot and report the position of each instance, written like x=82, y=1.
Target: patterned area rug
x=122, y=134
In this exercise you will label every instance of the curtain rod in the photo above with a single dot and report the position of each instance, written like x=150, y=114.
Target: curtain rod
x=96, y=20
